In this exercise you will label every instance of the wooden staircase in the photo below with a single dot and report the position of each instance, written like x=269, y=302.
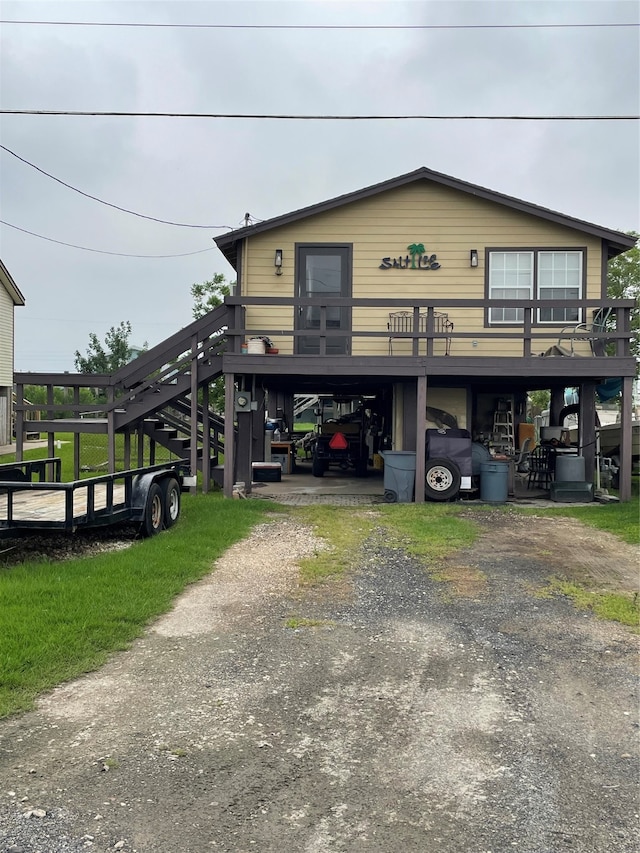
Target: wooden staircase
x=157, y=396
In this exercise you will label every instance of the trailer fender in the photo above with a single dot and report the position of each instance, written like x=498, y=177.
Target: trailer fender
x=168, y=493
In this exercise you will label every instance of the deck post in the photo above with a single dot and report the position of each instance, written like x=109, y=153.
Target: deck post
x=76, y=436
x=421, y=434
x=193, y=455
x=626, y=439
x=206, y=441
x=587, y=437
x=19, y=422
x=229, y=437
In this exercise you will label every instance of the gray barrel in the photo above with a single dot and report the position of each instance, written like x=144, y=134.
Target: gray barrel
x=494, y=482
x=570, y=469
x=399, y=475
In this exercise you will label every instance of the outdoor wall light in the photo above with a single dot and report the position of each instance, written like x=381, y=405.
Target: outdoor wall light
x=473, y=258
x=277, y=262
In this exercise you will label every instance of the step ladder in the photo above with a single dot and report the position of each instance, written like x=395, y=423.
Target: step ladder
x=503, y=431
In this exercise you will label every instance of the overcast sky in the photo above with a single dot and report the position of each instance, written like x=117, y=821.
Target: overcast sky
x=211, y=172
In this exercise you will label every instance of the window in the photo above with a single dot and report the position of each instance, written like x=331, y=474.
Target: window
x=541, y=274
x=559, y=277
x=510, y=277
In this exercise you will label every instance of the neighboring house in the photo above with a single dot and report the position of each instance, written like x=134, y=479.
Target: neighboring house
x=10, y=296
x=494, y=288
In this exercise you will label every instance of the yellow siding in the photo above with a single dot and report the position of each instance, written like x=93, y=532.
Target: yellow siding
x=448, y=222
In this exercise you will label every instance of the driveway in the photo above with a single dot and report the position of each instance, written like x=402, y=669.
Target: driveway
x=387, y=712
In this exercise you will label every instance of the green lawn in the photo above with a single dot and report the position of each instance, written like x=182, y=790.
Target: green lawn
x=93, y=454
x=58, y=620
x=623, y=520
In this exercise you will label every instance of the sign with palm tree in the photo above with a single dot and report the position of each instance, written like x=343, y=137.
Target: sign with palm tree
x=417, y=259
x=415, y=249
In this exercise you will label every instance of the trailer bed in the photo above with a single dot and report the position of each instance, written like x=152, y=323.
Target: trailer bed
x=51, y=505
x=32, y=498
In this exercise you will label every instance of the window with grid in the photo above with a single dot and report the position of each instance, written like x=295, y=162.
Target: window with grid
x=545, y=274
x=559, y=277
x=510, y=277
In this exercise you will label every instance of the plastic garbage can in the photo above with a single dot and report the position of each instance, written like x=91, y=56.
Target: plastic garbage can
x=494, y=482
x=570, y=469
x=399, y=475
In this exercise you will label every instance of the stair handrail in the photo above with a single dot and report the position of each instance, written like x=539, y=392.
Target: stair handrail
x=212, y=325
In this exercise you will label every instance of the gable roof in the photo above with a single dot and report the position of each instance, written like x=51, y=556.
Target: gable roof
x=10, y=286
x=617, y=241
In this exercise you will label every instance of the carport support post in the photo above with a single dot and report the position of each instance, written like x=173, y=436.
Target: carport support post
x=229, y=437
x=556, y=404
x=243, y=452
x=258, y=425
x=421, y=433
x=626, y=439
x=587, y=437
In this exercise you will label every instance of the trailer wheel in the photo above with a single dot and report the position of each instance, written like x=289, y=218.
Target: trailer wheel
x=317, y=467
x=153, y=511
x=442, y=480
x=171, y=499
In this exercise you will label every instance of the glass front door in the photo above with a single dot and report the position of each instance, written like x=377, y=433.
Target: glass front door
x=323, y=271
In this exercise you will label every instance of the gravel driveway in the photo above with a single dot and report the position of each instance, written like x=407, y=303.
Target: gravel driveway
x=399, y=713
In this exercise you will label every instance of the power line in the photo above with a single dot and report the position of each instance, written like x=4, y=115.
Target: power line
x=294, y=117
x=151, y=25
x=100, y=251
x=107, y=203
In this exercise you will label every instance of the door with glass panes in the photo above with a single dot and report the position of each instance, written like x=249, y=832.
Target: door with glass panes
x=323, y=270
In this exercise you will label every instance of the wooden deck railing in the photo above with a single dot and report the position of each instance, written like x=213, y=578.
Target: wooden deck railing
x=528, y=332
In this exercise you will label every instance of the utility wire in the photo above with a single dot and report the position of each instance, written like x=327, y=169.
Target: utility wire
x=294, y=117
x=107, y=203
x=150, y=25
x=101, y=251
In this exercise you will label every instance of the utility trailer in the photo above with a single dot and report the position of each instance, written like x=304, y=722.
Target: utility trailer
x=33, y=499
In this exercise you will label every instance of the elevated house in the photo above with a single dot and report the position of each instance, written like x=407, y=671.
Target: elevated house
x=10, y=296
x=430, y=299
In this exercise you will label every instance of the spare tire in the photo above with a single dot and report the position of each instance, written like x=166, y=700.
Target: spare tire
x=441, y=479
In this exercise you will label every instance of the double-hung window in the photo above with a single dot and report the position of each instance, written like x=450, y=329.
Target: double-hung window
x=559, y=277
x=535, y=274
x=510, y=277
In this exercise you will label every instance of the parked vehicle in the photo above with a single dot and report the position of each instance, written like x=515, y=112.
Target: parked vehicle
x=341, y=440
x=29, y=502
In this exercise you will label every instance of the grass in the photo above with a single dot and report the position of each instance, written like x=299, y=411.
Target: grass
x=344, y=533
x=93, y=454
x=58, y=620
x=605, y=605
x=428, y=531
x=622, y=520
x=295, y=622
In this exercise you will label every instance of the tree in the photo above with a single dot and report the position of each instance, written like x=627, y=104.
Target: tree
x=115, y=353
x=623, y=282
x=209, y=295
